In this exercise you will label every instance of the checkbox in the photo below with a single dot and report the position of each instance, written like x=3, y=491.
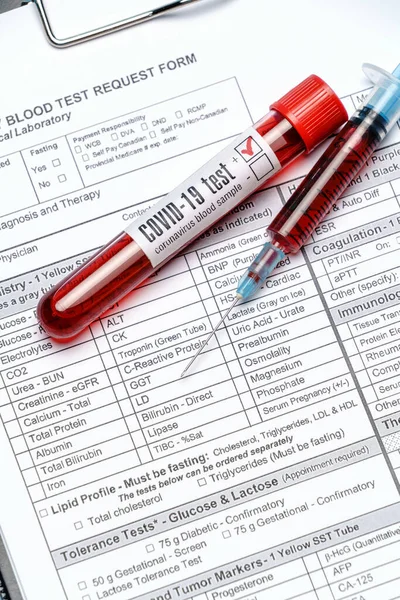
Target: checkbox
x=85, y=157
x=102, y=344
x=138, y=438
x=43, y=513
x=114, y=136
x=25, y=461
x=223, y=338
x=19, y=444
x=247, y=400
x=204, y=290
x=36, y=492
x=211, y=306
x=199, y=276
x=30, y=476
x=108, y=360
x=133, y=424
x=56, y=162
x=78, y=525
x=126, y=407
x=7, y=413
x=253, y=416
x=152, y=134
x=228, y=352
x=248, y=149
x=179, y=114
x=241, y=384
x=82, y=585
x=150, y=548
x=226, y=534
x=62, y=178
x=144, y=126
x=13, y=429
x=261, y=167
x=318, y=579
x=121, y=394
x=144, y=455
x=78, y=149
x=234, y=368
x=202, y=482
x=114, y=375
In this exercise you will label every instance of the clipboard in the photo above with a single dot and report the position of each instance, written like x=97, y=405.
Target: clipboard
x=86, y=36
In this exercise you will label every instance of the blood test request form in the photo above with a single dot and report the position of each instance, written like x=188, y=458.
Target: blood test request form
x=272, y=470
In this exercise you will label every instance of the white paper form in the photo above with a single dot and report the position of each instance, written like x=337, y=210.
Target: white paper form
x=272, y=470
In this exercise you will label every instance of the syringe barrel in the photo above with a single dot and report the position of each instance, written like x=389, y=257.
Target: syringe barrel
x=327, y=180
x=340, y=163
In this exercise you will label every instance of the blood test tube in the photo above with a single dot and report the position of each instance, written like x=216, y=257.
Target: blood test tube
x=295, y=124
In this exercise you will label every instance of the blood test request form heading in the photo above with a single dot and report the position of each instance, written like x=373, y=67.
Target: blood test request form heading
x=272, y=470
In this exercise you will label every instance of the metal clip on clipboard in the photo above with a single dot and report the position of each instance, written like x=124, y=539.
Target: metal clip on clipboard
x=106, y=29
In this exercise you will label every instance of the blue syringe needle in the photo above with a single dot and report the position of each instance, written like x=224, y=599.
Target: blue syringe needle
x=226, y=313
x=251, y=281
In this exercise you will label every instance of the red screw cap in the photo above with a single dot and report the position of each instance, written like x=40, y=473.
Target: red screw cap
x=314, y=110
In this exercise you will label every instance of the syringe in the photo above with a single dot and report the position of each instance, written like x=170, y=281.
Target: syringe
x=325, y=183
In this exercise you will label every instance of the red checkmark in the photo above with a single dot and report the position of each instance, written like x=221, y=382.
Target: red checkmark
x=248, y=150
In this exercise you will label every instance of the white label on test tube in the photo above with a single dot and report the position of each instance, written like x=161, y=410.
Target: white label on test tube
x=205, y=197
